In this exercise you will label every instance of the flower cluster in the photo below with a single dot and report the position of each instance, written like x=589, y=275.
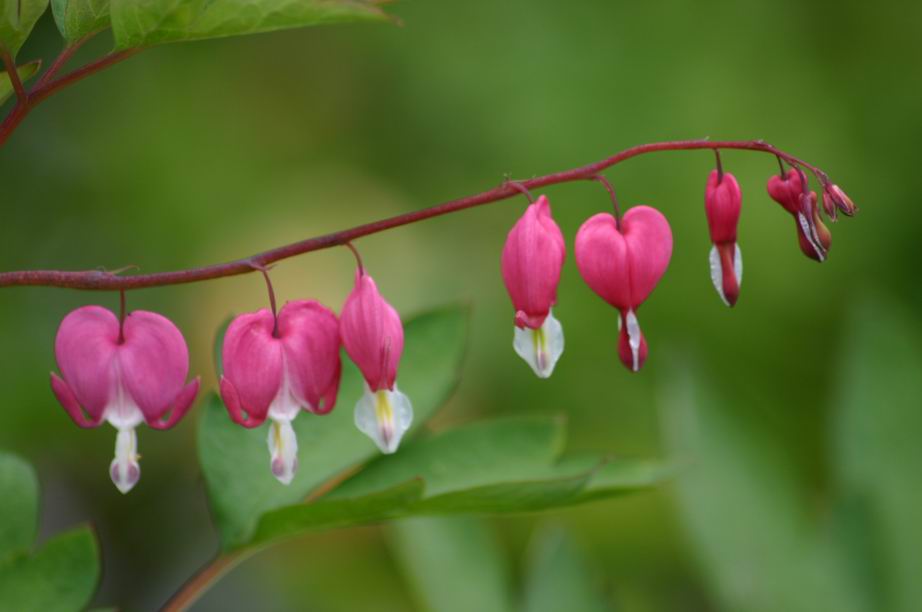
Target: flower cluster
x=622, y=259
x=132, y=369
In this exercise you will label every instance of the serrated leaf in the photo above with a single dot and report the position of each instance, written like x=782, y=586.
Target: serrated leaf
x=17, y=18
x=329, y=514
x=26, y=71
x=18, y=505
x=443, y=558
x=138, y=23
x=877, y=448
x=235, y=460
x=77, y=18
x=61, y=576
x=558, y=577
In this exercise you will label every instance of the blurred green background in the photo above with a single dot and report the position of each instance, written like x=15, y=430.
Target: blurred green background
x=196, y=153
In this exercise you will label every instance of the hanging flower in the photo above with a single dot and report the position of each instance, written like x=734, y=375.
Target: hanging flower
x=813, y=236
x=126, y=374
x=722, y=203
x=622, y=262
x=275, y=367
x=532, y=258
x=373, y=336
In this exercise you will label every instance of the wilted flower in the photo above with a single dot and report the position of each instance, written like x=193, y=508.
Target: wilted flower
x=812, y=235
x=373, y=336
x=126, y=374
x=275, y=368
x=722, y=203
x=623, y=263
x=532, y=258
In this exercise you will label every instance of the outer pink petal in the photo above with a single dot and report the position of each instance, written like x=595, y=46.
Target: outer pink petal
x=372, y=333
x=786, y=190
x=649, y=249
x=231, y=400
x=85, y=349
x=722, y=203
x=154, y=362
x=181, y=406
x=533, y=256
x=601, y=256
x=252, y=360
x=71, y=405
x=310, y=337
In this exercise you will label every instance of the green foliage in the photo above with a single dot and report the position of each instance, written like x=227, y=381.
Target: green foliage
x=235, y=460
x=558, y=576
x=141, y=23
x=63, y=573
x=26, y=71
x=752, y=525
x=17, y=18
x=453, y=565
x=77, y=18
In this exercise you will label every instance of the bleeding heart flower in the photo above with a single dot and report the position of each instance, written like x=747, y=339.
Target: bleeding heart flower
x=373, y=336
x=623, y=263
x=125, y=374
x=722, y=203
x=277, y=367
x=813, y=236
x=532, y=258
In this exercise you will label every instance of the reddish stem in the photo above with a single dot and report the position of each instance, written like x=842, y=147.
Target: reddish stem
x=13, y=73
x=105, y=281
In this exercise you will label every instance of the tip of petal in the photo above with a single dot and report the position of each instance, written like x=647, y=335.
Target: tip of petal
x=541, y=348
x=384, y=416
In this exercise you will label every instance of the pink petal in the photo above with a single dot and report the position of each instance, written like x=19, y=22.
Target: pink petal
x=722, y=203
x=231, y=400
x=71, y=405
x=154, y=362
x=310, y=336
x=181, y=406
x=533, y=256
x=372, y=333
x=252, y=363
x=85, y=349
x=624, y=267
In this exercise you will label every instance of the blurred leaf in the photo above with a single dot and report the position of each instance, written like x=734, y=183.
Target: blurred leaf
x=77, y=18
x=453, y=564
x=17, y=18
x=877, y=447
x=235, y=460
x=138, y=23
x=18, y=505
x=62, y=575
x=26, y=71
x=743, y=510
x=329, y=514
x=558, y=578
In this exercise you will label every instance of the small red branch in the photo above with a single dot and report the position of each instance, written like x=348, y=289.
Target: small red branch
x=107, y=281
x=13, y=74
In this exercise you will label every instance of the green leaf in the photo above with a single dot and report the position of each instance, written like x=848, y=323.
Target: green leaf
x=877, y=445
x=26, y=71
x=77, y=18
x=62, y=575
x=235, y=460
x=19, y=505
x=17, y=18
x=138, y=23
x=453, y=564
x=558, y=577
x=330, y=514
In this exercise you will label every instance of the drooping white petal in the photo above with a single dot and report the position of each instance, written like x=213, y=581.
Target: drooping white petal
x=283, y=450
x=542, y=347
x=384, y=416
x=124, y=469
x=634, y=338
x=717, y=276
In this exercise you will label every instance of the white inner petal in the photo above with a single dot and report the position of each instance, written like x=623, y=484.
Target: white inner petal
x=738, y=265
x=810, y=232
x=124, y=469
x=285, y=406
x=384, y=416
x=633, y=336
x=717, y=271
x=122, y=411
x=283, y=450
x=542, y=347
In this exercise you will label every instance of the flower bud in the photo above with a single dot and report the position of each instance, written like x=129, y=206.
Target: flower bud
x=531, y=262
x=373, y=336
x=275, y=368
x=813, y=236
x=623, y=263
x=124, y=373
x=839, y=199
x=722, y=203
